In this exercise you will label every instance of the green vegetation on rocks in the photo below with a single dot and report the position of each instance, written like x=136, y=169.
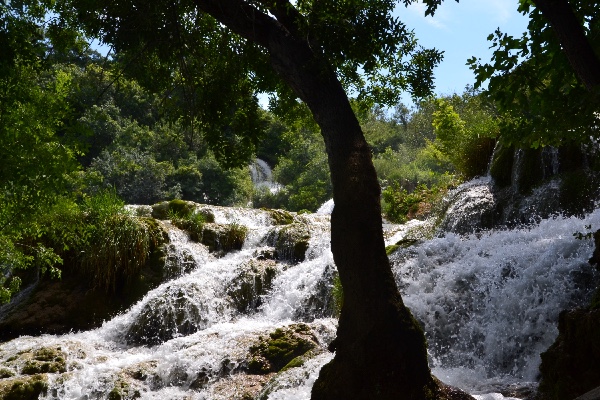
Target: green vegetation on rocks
x=23, y=387
x=254, y=280
x=224, y=238
x=291, y=241
x=273, y=353
x=45, y=360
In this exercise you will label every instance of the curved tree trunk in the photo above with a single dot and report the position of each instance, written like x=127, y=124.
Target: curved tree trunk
x=380, y=348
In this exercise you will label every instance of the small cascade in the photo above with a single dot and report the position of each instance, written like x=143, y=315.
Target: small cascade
x=488, y=303
x=469, y=207
x=262, y=176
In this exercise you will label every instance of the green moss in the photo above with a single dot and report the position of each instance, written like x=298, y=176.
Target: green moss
x=123, y=391
x=254, y=281
x=224, y=237
x=192, y=223
x=281, y=217
x=45, y=360
x=338, y=295
x=296, y=362
x=6, y=373
x=23, y=388
x=181, y=207
x=391, y=248
x=292, y=242
x=119, y=249
x=234, y=238
x=280, y=348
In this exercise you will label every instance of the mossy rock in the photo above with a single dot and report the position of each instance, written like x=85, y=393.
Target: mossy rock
x=178, y=207
x=163, y=318
x=23, y=387
x=324, y=301
x=45, y=360
x=391, y=248
x=223, y=237
x=281, y=217
x=6, y=373
x=273, y=353
x=578, y=190
x=181, y=207
x=58, y=306
x=280, y=380
x=291, y=242
x=160, y=210
x=254, y=281
x=570, y=366
x=123, y=391
x=531, y=170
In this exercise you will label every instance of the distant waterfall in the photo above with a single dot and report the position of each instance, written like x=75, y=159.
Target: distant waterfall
x=262, y=176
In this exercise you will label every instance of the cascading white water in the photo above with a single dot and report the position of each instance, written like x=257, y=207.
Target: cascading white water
x=262, y=176
x=488, y=304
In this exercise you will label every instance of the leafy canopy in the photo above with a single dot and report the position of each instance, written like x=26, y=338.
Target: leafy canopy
x=535, y=88
x=375, y=55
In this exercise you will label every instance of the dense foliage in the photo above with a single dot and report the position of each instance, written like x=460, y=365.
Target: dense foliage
x=532, y=82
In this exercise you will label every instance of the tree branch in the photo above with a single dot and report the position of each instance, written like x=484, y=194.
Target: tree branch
x=570, y=34
x=242, y=18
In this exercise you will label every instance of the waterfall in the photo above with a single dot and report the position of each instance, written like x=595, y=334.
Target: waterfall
x=262, y=176
x=488, y=303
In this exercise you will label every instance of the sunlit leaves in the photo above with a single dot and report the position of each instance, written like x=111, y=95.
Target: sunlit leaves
x=534, y=85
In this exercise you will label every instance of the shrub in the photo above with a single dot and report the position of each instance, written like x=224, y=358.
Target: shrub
x=400, y=205
x=191, y=222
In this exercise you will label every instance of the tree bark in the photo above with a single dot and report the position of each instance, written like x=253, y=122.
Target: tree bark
x=380, y=348
x=571, y=36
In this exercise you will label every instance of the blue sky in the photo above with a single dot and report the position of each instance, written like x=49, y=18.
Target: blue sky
x=461, y=31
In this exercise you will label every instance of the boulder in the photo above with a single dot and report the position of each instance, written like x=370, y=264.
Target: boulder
x=570, y=366
x=223, y=238
x=291, y=241
x=58, y=306
x=255, y=280
x=281, y=348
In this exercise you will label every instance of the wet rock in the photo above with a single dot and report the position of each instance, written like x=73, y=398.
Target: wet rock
x=223, y=237
x=23, y=387
x=240, y=387
x=281, y=217
x=291, y=242
x=123, y=391
x=254, y=281
x=45, y=360
x=275, y=352
x=163, y=318
x=593, y=394
x=570, y=366
x=322, y=301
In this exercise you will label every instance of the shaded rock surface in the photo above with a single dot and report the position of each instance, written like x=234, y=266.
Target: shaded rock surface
x=253, y=282
x=524, y=186
x=570, y=366
x=58, y=306
x=281, y=348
